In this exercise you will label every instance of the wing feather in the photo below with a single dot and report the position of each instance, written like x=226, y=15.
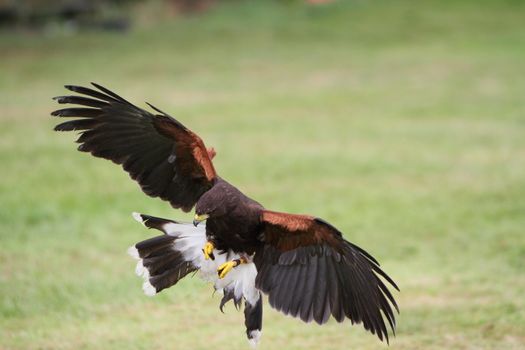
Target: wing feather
x=83, y=101
x=311, y=272
x=168, y=160
x=320, y=298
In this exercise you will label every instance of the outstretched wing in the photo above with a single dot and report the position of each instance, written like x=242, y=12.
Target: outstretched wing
x=310, y=271
x=168, y=160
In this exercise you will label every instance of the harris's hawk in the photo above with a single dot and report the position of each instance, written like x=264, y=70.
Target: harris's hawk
x=302, y=263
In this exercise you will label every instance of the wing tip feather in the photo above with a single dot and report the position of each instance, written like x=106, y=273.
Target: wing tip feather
x=73, y=88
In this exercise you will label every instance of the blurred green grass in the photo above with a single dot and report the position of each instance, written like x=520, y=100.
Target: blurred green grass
x=400, y=122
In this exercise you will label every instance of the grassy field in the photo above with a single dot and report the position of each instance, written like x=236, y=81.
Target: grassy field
x=401, y=122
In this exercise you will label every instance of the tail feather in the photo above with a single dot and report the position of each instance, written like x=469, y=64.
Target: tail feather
x=152, y=245
x=170, y=277
x=161, y=262
x=157, y=265
x=253, y=321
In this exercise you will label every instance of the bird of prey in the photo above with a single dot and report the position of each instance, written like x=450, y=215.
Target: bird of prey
x=302, y=263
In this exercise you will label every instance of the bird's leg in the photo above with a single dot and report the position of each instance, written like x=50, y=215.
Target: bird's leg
x=223, y=270
x=208, y=251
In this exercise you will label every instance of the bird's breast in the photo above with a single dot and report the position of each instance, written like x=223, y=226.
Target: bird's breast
x=238, y=233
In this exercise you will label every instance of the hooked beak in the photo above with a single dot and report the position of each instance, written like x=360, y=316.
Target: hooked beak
x=199, y=218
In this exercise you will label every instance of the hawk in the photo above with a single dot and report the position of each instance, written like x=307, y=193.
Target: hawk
x=302, y=263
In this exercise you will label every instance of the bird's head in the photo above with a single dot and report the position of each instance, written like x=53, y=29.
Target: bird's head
x=207, y=207
x=198, y=218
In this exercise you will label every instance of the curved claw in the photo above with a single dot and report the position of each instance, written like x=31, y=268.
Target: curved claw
x=208, y=251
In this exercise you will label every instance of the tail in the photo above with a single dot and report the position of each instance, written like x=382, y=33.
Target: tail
x=253, y=321
x=165, y=260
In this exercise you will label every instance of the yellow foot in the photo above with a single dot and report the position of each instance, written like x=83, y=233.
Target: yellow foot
x=223, y=270
x=208, y=251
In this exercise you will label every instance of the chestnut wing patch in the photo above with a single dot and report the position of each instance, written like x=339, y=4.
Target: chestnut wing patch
x=309, y=271
x=290, y=231
x=168, y=160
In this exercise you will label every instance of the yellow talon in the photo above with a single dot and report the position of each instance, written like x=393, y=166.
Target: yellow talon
x=208, y=251
x=223, y=270
x=226, y=267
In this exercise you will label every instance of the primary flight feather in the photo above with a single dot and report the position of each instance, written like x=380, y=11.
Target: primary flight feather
x=302, y=263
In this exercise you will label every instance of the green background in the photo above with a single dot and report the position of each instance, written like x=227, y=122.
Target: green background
x=400, y=122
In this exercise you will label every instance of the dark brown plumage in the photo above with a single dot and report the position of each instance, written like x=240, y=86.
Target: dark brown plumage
x=164, y=157
x=304, y=264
